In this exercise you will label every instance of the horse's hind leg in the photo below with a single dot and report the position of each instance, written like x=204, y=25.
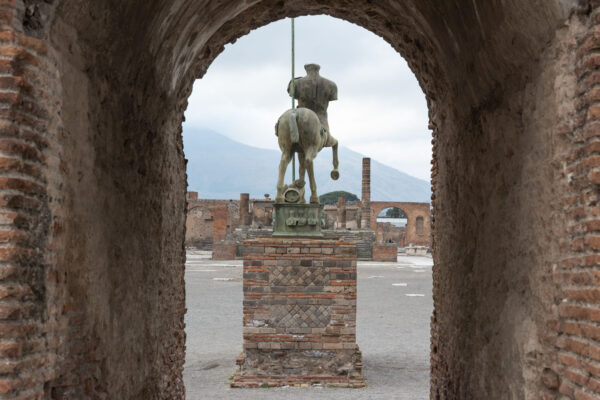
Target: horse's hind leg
x=300, y=183
x=314, y=198
x=286, y=157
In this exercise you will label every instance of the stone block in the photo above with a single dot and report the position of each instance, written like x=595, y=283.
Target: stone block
x=224, y=250
x=385, y=252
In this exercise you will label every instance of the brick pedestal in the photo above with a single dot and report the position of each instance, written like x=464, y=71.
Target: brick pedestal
x=299, y=314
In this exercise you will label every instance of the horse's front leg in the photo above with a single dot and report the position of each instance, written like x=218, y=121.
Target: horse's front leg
x=286, y=157
x=314, y=197
x=335, y=174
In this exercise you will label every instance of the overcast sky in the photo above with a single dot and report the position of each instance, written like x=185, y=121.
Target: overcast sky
x=381, y=110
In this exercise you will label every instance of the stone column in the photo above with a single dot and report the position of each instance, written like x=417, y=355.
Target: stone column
x=341, y=212
x=365, y=222
x=244, y=209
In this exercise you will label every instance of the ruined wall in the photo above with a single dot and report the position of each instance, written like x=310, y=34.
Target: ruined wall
x=499, y=186
x=412, y=211
x=262, y=213
x=202, y=216
x=199, y=228
x=92, y=186
x=574, y=334
x=352, y=213
x=385, y=252
x=387, y=233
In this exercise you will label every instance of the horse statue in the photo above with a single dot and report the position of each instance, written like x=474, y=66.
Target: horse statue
x=301, y=131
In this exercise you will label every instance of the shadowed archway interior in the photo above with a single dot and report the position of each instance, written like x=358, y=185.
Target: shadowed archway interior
x=501, y=84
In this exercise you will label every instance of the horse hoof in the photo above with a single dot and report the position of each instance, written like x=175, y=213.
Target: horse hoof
x=314, y=200
x=335, y=174
x=279, y=199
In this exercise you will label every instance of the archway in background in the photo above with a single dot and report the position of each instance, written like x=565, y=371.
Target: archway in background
x=413, y=211
x=391, y=226
x=102, y=88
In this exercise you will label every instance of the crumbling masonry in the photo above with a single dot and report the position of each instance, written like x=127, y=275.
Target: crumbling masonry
x=223, y=225
x=93, y=201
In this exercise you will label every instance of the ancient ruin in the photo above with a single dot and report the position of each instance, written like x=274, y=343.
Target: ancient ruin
x=93, y=188
x=246, y=218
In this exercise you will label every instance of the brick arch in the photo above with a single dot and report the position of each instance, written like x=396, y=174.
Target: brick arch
x=412, y=211
x=92, y=187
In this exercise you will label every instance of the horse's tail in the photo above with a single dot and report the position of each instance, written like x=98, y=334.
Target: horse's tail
x=294, y=135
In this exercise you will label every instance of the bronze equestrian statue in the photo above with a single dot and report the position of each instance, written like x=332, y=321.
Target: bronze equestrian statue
x=305, y=130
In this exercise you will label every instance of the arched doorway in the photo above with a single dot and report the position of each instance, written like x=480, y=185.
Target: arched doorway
x=94, y=185
x=391, y=226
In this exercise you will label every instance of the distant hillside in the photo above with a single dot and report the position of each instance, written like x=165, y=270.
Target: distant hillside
x=220, y=168
x=332, y=197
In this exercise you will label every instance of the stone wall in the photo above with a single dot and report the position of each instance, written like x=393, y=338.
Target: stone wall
x=387, y=232
x=199, y=228
x=262, y=213
x=353, y=215
x=202, y=217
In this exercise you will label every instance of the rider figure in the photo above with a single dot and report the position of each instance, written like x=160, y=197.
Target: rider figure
x=315, y=92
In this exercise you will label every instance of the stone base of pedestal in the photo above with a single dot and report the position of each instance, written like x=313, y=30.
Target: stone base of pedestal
x=299, y=314
x=293, y=220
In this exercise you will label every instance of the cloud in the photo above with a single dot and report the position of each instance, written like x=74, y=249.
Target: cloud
x=381, y=109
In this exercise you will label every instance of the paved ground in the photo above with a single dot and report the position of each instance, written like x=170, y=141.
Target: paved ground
x=394, y=307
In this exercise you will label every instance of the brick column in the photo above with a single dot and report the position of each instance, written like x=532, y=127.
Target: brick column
x=341, y=213
x=219, y=214
x=244, y=209
x=299, y=314
x=366, y=194
x=27, y=104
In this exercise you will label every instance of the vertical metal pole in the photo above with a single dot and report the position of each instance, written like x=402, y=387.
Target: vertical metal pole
x=293, y=97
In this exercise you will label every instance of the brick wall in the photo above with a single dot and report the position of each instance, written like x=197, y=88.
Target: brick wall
x=28, y=166
x=224, y=250
x=385, y=252
x=575, y=373
x=200, y=221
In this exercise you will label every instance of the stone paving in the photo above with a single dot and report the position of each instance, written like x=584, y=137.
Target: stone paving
x=394, y=308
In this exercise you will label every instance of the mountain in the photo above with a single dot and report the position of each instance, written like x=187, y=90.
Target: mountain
x=221, y=168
